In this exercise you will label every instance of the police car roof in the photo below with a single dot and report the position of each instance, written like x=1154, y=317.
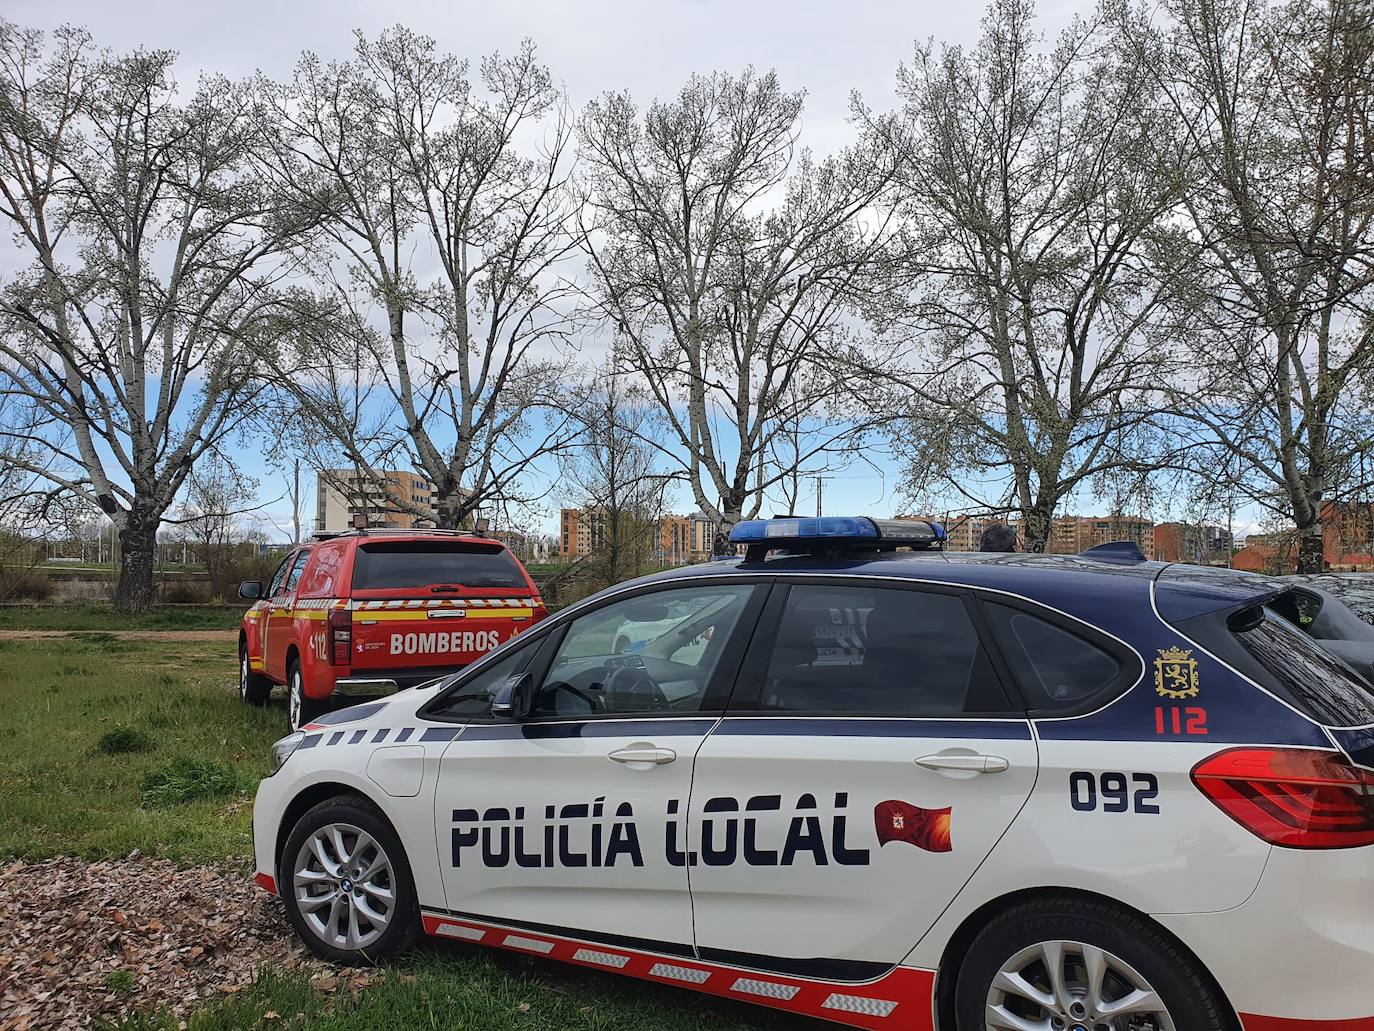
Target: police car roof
x=1075, y=583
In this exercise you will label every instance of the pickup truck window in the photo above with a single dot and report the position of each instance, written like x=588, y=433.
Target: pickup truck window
x=398, y=565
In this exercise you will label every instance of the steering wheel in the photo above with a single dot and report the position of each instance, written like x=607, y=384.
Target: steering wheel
x=631, y=689
x=549, y=699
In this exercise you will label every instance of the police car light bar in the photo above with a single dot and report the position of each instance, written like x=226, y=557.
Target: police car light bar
x=834, y=533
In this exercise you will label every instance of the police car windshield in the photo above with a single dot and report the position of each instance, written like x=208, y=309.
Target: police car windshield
x=398, y=565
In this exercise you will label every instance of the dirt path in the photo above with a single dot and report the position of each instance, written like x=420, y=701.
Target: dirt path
x=90, y=941
x=126, y=635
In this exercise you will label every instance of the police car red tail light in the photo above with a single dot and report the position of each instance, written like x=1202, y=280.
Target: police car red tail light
x=1294, y=797
x=340, y=636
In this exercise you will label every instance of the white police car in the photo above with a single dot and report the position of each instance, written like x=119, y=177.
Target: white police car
x=894, y=788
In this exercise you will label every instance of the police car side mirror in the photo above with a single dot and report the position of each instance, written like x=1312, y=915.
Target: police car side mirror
x=514, y=697
x=250, y=589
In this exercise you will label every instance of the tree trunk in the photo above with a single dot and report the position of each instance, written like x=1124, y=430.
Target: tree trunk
x=137, y=545
x=449, y=503
x=1311, y=550
x=1036, y=523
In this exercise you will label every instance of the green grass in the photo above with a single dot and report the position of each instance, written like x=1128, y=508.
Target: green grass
x=121, y=740
x=459, y=988
x=121, y=981
x=61, y=794
x=103, y=617
x=186, y=780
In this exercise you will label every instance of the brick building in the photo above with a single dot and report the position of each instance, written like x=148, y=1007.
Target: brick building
x=388, y=500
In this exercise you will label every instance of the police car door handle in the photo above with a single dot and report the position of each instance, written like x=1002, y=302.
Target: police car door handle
x=643, y=754
x=964, y=762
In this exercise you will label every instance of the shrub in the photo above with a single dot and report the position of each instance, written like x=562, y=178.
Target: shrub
x=25, y=585
x=185, y=594
x=121, y=740
x=189, y=780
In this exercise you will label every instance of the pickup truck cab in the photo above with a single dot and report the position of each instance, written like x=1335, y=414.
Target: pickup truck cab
x=369, y=612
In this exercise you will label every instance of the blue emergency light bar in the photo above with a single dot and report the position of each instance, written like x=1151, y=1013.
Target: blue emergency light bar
x=808, y=534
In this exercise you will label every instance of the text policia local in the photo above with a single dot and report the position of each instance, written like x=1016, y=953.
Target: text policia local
x=595, y=834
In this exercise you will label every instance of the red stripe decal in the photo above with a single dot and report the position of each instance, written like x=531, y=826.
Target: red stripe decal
x=266, y=882
x=1254, y=1023
x=901, y=998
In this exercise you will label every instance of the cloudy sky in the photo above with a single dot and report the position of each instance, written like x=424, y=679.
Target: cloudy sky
x=827, y=49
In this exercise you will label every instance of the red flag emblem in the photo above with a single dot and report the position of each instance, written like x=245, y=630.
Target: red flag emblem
x=927, y=829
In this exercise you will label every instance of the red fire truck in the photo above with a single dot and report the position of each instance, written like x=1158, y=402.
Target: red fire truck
x=369, y=612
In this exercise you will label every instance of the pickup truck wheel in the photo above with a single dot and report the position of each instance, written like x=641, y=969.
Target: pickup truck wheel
x=300, y=710
x=254, y=688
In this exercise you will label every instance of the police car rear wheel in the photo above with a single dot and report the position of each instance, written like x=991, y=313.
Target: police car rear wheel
x=1081, y=965
x=254, y=688
x=349, y=891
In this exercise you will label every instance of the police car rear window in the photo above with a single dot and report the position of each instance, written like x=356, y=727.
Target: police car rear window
x=397, y=565
x=874, y=651
x=1321, y=684
x=1056, y=668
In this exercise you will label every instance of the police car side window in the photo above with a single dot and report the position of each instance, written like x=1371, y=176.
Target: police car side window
x=870, y=651
x=472, y=700
x=1056, y=668
x=654, y=653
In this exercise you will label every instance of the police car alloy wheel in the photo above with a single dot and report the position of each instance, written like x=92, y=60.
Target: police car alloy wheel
x=1062, y=965
x=346, y=883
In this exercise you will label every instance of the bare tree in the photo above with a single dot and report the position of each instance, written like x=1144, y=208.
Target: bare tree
x=150, y=246
x=1036, y=185
x=448, y=204
x=612, y=474
x=1280, y=110
x=209, y=517
x=729, y=265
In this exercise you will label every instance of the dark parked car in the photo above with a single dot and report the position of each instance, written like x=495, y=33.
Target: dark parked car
x=1338, y=610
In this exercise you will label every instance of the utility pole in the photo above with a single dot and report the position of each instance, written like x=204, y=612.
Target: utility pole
x=820, y=488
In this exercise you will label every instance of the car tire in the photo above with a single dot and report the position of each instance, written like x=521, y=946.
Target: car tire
x=1019, y=945
x=357, y=888
x=300, y=707
x=254, y=688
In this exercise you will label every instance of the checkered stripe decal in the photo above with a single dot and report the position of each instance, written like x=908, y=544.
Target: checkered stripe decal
x=391, y=605
x=901, y=998
x=320, y=603
x=676, y=973
x=327, y=736
x=601, y=959
x=859, y=1004
x=764, y=989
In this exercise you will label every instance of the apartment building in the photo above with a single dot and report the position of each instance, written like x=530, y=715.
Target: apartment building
x=387, y=500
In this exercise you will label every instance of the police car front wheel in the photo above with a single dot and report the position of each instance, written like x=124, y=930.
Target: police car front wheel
x=346, y=883
x=1082, y=965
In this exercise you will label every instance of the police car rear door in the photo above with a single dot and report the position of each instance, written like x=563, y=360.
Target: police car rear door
x=572, y=821
x=869, y=761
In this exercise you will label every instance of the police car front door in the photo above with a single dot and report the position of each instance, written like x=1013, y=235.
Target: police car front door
x=564, y=821
x=851, y=790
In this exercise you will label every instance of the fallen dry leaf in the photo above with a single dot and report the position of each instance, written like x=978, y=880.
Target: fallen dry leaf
x=187, y=935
